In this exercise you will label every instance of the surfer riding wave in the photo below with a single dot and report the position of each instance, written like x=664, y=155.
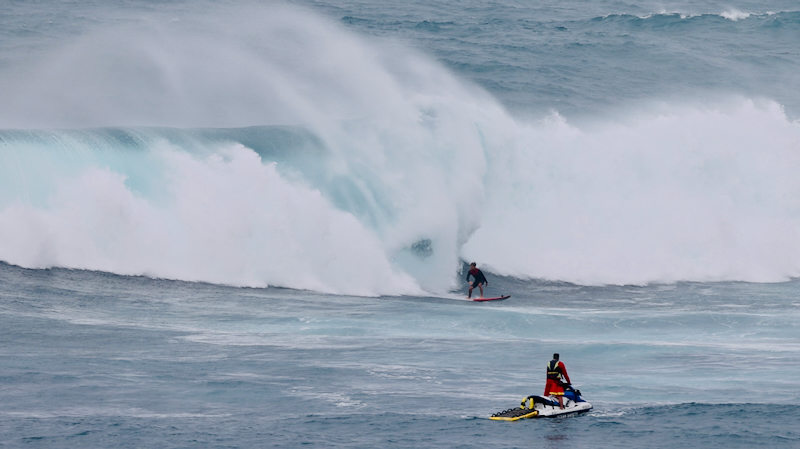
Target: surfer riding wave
x=479, y=279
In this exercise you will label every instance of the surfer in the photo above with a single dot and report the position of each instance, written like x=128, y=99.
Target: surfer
x=479, y=279
x=555, y=386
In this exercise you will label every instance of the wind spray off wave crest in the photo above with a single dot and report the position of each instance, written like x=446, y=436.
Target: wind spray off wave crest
x=225, y=67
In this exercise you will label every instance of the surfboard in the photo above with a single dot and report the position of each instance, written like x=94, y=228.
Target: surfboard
x=499, y=298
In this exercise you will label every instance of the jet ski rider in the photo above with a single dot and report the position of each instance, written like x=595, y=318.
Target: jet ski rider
x=555, y=386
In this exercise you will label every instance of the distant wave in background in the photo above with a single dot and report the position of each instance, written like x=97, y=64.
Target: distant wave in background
x=269, y=146
x=591, y=60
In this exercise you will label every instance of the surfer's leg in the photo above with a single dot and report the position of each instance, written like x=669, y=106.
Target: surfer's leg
x=480, y=286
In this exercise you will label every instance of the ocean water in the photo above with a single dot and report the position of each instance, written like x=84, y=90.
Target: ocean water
x=246, y=224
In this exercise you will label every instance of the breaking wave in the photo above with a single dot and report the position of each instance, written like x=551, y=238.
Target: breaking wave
x=270, y=147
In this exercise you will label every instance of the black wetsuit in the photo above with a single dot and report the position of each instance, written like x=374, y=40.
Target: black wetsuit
x=478, y=275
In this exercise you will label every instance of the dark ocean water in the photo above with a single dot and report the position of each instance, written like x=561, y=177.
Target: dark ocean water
x=588, y=59
x=238, y=224
x=99, y=360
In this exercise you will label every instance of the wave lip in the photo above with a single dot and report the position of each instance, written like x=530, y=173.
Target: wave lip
x=735, y=15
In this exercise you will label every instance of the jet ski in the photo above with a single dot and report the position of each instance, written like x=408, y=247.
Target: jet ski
x=546, y=407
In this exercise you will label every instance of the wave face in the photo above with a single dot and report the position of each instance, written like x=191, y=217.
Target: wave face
x=265, y=145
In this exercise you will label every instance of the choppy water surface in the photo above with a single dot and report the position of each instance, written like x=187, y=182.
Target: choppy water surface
x=236, y=224
x=97, y=360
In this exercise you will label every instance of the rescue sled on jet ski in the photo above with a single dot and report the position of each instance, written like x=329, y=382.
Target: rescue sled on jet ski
x=546, y=407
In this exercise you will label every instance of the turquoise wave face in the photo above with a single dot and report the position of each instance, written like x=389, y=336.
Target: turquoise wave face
x=34, y=159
